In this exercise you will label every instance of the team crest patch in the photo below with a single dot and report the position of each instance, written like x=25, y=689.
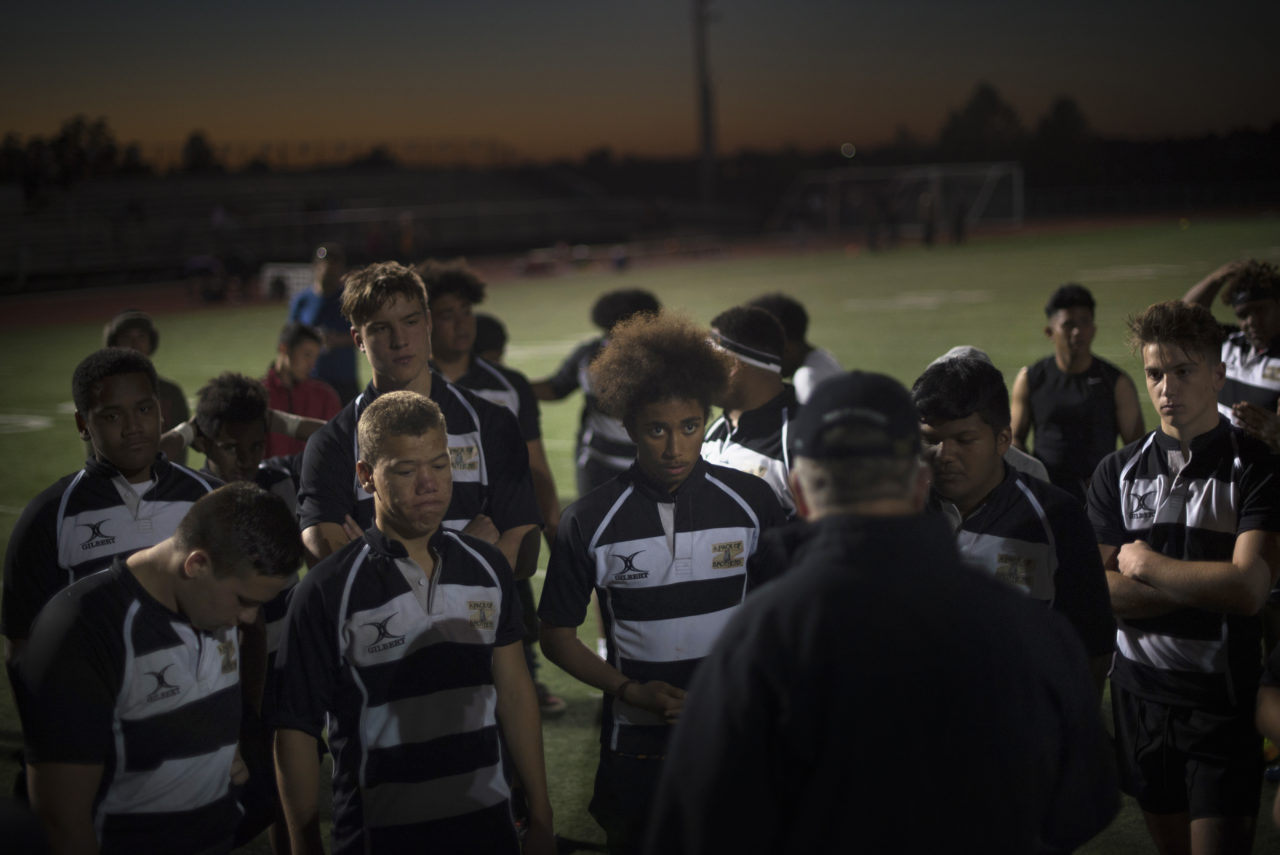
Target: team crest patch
x=96, y=535
x=227, y=649
x=482, y=613
x=1140, y=505
x=164, y=689
x=1272, y=373
x=464, y=458
x=386, y=639
x=1014, y=569
x=727, y=555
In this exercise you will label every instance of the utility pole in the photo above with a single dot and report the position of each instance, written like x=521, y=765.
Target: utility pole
x=706, y=107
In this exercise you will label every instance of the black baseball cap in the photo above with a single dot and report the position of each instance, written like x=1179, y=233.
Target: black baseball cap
x=878, y=405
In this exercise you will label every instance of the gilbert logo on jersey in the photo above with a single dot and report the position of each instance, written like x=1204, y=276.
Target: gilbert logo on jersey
x=1140, y=505
x=727, y=555
x=464, y=458
x=96, y=536
x=386, y=638
x=629, y=570
x=164, y=689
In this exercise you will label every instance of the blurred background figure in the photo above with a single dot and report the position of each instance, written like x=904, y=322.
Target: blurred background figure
x=292, y=389
x=321, y=307
x=805, y=364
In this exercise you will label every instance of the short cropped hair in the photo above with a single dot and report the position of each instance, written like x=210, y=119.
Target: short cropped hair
x=451, y=277
x=1178, y=324
x=131, y=319
x=614, y=307
x=391, y=414
x=789, y=312
x=229, y=397
x=370, y=288
x=956, y=388
x=100, y=365
x=242, y=525
x=1069, y=296
x=1252, y=275
x=752, y=326
x=662, y=357
x=490, y=334
x=295, y=333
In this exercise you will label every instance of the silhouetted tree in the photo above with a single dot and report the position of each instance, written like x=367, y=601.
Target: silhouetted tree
x=986, y=128
x=198, y=155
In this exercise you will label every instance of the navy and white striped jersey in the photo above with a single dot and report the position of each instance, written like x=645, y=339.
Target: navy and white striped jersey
x=601, y=437
x=406, y=692
x=78, y=525
x=1252, y=376
x=112, y=677
x=669, y=569
x=490, y=464
x=758, y=445
x=507, y=388
x=1037, y=538
x=1191, y=510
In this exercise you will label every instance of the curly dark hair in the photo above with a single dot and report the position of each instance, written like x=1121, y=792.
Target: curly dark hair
x=451, y=277
x=229, y=397
x=100, y=365
x=1252, y=276
x=1179, y=324
x=370, y=288
x=1069, y=296
x=657, y=357
x=614, y=307
x=242, y=526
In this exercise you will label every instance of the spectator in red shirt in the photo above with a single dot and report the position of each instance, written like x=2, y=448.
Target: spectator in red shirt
x=291, y=389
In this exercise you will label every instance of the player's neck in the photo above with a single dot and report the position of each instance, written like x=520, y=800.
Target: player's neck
x=1073, y=363
x=421, y=383
x=453, y=367
x=417, y=545
x=156, y=569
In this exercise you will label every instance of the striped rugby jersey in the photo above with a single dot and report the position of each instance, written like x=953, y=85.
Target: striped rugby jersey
x=601, y=437
x=1251, y=376
x=1037, y=538
x=406, y=692
x=490, y=464
x=758, y=445
x=669, y=569
x=78, y=525
x=1192, y=512
x=507, y=388
x=113, y=677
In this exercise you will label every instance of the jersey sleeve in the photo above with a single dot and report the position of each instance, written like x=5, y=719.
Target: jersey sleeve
x=326, y=492
x=510, y=499
x=306, y=666
x=1104, y=503
x=1260, y=495
x=71, y=675
x=1080, y=583
x=31, y=572
x=570, y=577
x=565, y=380
x=530, y=417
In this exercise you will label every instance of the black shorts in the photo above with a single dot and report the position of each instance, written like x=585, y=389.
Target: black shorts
x=623, y=796
x=1176, y=759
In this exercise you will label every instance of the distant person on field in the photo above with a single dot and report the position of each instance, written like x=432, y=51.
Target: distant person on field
x=135, y=679
x=405, y=645
x=804, y=363
x=1021, y=530
x=876, y=659
x=1187, y=520
x=751, y=433
x=292, y=389
x=1250, y=397
x=491, y=338
x=1077, y=403
x=664, y=545
x=321, y=306
x=136, y=331
x=603, y=447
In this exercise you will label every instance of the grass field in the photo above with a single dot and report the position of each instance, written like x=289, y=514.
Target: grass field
x=890, y=312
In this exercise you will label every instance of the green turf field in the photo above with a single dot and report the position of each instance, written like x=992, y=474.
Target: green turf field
x=890, y=312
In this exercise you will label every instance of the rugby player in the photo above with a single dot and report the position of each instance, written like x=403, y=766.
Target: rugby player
x=751, y=434
x=1076, y=402
x=136, y=331
x=133, y=688
x=406, y=644
x=804, y=363
x=1187, y=521
x=386, y=305
x=1022, y=530
x=664, y=545
x=802, y=729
